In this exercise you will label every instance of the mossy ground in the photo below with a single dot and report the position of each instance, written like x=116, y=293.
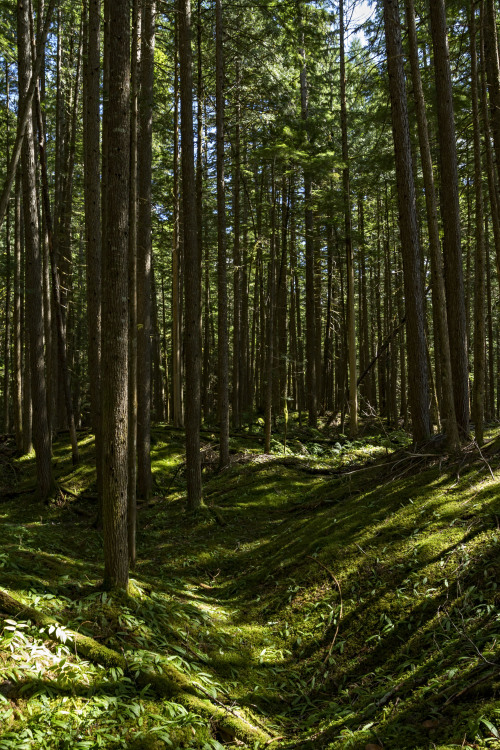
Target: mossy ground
x=330, y=611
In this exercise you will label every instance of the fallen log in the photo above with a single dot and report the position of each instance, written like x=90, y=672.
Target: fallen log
x=171, y=684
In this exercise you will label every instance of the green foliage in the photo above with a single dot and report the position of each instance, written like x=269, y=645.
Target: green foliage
x=250, y=614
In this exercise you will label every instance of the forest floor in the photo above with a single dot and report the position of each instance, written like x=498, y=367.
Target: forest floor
x=345, y=595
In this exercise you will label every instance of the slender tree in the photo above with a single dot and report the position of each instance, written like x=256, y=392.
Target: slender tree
x=144, y=251
x=311, y=375
x=33, y=292
x=450, y=212
x=222, y=327
x=115, y=301
x=408, y=224
x=480, y=254
x=346, y=180
x=438, y=290
x=192, y=262
x=132, y=287
x=92, y=199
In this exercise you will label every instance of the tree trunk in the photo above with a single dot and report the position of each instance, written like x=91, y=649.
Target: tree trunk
x=132, y=287
x=235, y=392
x=479, y=265
x=418, y=383
x=62, y=357
x=351, y=316
x=311, y=384
x=6, y=360
x=34, y=293
x=450, y=211
x=115, y=301
x=442, y=341
x=270, y=306
x=144, y=250
x=493, y=74
x=222, y=329
x=176, y=259
x=192, y=261
x=485, y=121
x=17, y=369
x=92, y=200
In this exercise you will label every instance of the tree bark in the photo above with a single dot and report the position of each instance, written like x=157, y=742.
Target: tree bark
x=450, y=211
x=132, y=287
x=144, y=259
x=493, y=74
x=62, y=357
x=6, y=359
x=414, y=293
x=222, y=328
x=92, y=201
x=34, y=293
x=235, y=392
x=177, y=405
x=311, y=380
x=442, y=340
x=17, y=368
x=351, y=317
x=192, y=260
x=115, y=301
x=480, y=254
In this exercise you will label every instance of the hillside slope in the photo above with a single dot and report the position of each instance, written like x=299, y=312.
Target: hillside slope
x=332, y=602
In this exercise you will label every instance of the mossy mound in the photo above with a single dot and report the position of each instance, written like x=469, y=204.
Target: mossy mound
x=350, y=599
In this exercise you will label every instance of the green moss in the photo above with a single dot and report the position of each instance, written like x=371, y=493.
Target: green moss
x=244, y=613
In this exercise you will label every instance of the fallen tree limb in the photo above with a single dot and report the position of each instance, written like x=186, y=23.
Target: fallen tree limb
x=171, y=684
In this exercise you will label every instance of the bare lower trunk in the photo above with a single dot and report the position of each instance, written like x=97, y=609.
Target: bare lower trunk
x=442, y=343
x=192, y=262
x=18, y=377
x=115, y=301
x=222, y=329
x=414, y=292
x=132, y=291
x=34, y=293
x=450, y=211
x=144, y=250
x=479, y=269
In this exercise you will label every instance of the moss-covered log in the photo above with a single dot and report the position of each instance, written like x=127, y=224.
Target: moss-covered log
x=171, y=684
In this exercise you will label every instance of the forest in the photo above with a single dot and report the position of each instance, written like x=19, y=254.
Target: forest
x=249, y=374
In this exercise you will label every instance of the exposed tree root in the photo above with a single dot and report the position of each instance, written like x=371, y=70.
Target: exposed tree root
x=172, y=684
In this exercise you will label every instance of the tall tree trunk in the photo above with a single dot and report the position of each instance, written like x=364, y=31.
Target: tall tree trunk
x=442, y=340
x=311, y=381
x=18, y=373
x=493, y=74
x=351, y=316
x=34, y=293
x=490, y=167
x=144, y=251
x=222, y=329
x=132, y=287
x=450, y=211
x=62, y=357
x=92, y=200
x=270, y=306
x=479, y=265
x=281, y=300
x=176, y=258
x=6, y=359
x=414, y=292
x=235, y=392
x=192, y=260
x=115, y=301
